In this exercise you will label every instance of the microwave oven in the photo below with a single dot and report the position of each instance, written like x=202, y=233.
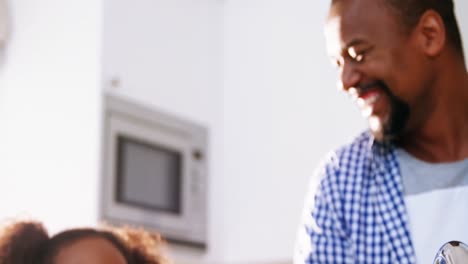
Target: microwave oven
x=154, y=171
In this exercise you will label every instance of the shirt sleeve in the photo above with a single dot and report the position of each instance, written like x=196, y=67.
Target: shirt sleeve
x=322, y=236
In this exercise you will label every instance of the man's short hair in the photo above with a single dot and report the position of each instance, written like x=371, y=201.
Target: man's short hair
x=412, y=10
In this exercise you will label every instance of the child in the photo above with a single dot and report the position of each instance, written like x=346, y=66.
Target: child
x=28, y=242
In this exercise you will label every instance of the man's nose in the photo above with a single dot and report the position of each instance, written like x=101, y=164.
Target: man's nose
x=350, y=76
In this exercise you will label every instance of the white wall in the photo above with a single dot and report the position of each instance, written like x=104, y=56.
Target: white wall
x=169, y=54
x=49, y=102
x=282, y=113
x=255, y=72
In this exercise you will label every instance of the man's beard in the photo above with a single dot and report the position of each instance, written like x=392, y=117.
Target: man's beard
x=391, y=128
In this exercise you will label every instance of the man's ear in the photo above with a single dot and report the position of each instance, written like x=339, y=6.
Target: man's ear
x=431, y=33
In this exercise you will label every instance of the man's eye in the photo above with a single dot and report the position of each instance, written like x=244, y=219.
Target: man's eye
x=359, y=57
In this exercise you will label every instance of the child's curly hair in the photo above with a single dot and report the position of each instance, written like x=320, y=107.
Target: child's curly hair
x=28, y=242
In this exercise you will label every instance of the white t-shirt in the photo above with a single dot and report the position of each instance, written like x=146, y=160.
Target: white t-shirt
x=436, y=197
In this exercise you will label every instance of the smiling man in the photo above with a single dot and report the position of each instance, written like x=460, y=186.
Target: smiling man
x=400, y=190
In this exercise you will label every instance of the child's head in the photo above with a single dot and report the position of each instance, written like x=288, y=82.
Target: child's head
x=29, y=242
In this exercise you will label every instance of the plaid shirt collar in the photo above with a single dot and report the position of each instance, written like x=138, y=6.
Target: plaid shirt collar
x=358, y=213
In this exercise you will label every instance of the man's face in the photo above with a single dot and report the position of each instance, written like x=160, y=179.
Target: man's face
x=380, y=66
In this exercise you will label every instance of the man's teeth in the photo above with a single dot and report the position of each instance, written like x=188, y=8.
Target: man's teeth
x=366, y=103
x=368, y=100
x=372, y=98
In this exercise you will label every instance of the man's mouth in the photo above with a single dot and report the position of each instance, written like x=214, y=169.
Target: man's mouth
x=367, y=100
x=369, y=97
x=386, y=113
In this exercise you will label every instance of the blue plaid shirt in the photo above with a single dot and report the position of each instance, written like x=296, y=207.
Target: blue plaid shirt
x=357, y=214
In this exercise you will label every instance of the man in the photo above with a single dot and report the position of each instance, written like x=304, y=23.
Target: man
x=400, y=190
